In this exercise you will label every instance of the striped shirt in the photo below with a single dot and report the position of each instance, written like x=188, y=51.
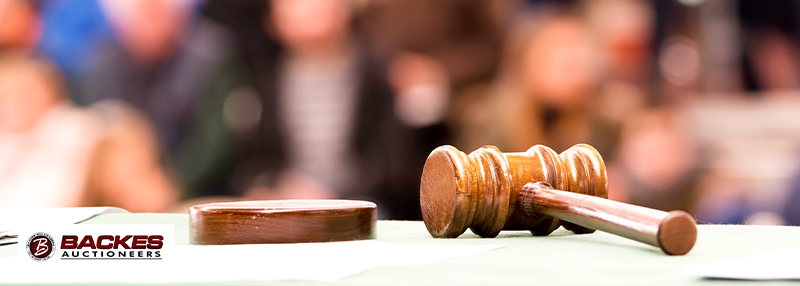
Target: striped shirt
x=317, y=105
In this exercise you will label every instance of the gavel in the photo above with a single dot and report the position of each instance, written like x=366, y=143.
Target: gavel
x=538, y=190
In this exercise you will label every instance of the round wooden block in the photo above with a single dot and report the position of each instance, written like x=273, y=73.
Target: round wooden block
x=282, y=221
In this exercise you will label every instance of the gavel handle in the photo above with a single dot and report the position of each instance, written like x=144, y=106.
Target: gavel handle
x=674, y=232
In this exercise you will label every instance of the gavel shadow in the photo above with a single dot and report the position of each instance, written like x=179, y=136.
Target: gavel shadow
x=729, y=280
x=562, y=235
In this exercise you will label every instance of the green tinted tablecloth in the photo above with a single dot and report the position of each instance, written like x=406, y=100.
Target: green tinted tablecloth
x=558, y=259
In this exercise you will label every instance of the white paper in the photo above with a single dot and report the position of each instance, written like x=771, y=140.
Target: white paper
x=778, y=264
x=12, y=219
x=254, y=262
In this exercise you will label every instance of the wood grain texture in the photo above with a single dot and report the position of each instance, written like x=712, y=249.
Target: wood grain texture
x=674, y=232
x=538, y=190
x=282, y=221
x=479, y=191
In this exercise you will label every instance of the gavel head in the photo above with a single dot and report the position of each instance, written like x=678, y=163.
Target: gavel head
x=480, y=191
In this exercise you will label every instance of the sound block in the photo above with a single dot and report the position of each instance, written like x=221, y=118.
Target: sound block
x=282, y=221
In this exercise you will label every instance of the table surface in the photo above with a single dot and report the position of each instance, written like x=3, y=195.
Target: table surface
x=559, y=259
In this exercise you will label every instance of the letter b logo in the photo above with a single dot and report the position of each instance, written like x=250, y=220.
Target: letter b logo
x=40, y=246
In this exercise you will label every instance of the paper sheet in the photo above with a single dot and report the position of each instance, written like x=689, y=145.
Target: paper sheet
x=778, y=264
x=255, y=262
x=12, y=219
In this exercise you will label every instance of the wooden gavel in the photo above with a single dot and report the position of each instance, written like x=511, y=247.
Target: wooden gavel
x=538, y=190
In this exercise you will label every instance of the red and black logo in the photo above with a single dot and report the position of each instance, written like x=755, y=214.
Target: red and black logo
x=132, y=247
x=40, y=246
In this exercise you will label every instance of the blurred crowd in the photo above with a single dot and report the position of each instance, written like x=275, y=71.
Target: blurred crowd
x=154, y=105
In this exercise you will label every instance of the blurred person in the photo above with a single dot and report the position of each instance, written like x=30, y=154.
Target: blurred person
x=774, y=60
x=422, y=89
x=328, y=129
x=176, y=68
x=437, y=49
x=656, y=163
x=771, y=58
x=45, y=145
x=51, y=152
x=244, y=19
x=64, y=31
x=625, y=31
x=547, y=90
x=126, y=168
x=20, y=25
x=422, y=95
x=770, y=31
x=71, y=31
x=464, y=36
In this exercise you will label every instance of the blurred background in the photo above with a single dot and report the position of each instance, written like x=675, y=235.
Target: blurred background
x=156, y=105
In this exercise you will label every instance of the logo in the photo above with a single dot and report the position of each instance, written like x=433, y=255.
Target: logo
x=133, y=247
x=40, y=246
x=96, y=242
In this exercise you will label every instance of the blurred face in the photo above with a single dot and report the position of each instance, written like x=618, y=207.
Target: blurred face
x=149, y=29
x=19, y=24
x=559, y=65
x=668, y=152
x=25, y=97
x=309, y=25
x=775, y=61
x=625, y=28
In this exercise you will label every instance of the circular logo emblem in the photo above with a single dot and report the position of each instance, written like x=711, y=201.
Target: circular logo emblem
x=40, y=246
